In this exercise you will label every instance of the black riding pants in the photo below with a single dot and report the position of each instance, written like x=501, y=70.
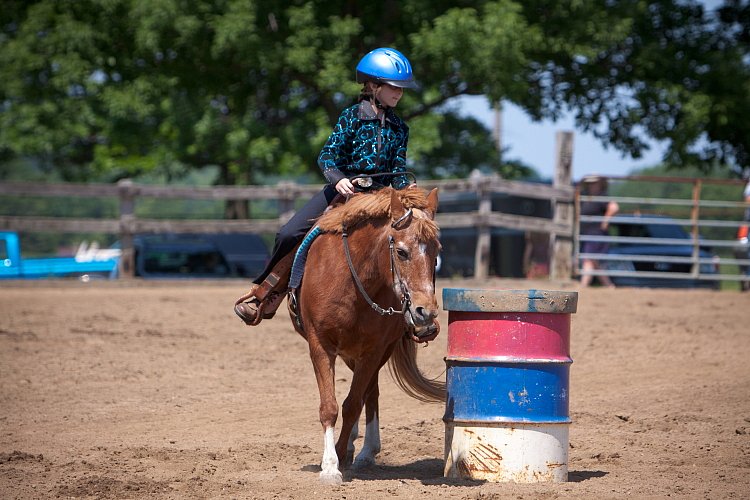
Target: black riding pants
x=293, y=231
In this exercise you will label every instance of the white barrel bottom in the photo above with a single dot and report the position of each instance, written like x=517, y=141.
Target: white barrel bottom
x=507, y=452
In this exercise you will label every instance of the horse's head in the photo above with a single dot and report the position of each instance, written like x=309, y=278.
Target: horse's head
x=396, y=248
x=414, y=247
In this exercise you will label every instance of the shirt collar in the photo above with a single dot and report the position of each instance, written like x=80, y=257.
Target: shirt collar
x=365, y=112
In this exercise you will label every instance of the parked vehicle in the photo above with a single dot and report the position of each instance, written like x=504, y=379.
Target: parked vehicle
x=89, y=261
x=237, y=255
x=179, y=256
x=459, y=249
x=234, y=255
x=246, y=252
x=507, y=246
x=671, y=257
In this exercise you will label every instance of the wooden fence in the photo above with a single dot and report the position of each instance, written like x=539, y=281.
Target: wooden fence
x=127, y=225
x=561, y=227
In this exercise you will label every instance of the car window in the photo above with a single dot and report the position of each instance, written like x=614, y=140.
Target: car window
x=246, y=243
x=183, y=262
x=649, y=231
x=630, y=230
x=666, y=231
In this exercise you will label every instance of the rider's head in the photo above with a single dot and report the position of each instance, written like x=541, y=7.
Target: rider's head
x=385, y=73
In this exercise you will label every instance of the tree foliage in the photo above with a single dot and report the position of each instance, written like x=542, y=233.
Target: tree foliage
x=114, y=88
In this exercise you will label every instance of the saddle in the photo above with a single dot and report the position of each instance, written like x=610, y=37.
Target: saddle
x=263, y=300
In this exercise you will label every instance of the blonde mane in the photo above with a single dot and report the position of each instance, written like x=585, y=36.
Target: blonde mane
x=369, y=206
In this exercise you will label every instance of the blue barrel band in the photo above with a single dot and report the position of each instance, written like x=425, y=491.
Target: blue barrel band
x=528, y=392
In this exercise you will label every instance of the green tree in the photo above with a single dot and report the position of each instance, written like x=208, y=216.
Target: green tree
x=464, y=145
x=113, y=88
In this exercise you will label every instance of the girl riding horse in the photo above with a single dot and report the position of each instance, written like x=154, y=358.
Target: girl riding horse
x=368, y=139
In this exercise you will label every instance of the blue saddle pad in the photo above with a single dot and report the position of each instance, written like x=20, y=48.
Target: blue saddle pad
x=298, y=267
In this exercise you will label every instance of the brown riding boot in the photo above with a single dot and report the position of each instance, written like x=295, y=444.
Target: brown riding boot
x=262, y=301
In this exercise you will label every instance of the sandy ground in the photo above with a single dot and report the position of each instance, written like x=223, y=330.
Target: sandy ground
x=156, y=390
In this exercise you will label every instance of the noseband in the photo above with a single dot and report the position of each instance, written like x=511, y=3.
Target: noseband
x=395, y=275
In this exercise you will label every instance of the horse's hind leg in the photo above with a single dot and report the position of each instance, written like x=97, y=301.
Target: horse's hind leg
x=324, y=365
x=352, y=407
x=350, y=446
x=371, y=446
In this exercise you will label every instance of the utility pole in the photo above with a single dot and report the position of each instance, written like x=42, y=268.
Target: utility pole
x=497, y=130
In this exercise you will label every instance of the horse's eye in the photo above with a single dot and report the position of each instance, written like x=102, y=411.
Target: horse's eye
x=402, y=254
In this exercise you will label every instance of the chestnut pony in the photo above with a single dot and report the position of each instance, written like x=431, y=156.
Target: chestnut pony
x=368, y=293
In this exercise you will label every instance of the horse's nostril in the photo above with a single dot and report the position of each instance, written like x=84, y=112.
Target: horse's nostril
x=424, y=313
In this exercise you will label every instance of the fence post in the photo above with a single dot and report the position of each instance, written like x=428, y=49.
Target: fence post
x=482, y=253
x=127, y=216
x=287, y=195
x=694, y=217
x=562, y=246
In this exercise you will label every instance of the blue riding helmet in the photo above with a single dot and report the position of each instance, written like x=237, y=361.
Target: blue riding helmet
x=386, y=65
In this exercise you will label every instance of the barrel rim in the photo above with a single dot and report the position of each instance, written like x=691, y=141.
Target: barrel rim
x=493, y=300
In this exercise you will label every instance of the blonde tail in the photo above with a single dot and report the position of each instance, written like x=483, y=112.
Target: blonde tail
x=402, y=366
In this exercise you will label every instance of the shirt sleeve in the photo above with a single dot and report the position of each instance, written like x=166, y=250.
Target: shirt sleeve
x=334, y=148
x=399, y=161
x=593, y=208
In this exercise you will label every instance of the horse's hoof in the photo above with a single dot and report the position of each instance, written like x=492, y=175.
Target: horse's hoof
x=331, y=478
x=363, y=463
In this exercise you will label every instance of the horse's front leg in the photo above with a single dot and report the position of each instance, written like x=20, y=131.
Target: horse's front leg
x=371, y=446
x=325, y=367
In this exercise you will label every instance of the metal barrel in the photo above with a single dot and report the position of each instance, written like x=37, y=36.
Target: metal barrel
x=507, y=377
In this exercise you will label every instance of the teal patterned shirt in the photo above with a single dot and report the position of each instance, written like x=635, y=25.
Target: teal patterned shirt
x=352, y=147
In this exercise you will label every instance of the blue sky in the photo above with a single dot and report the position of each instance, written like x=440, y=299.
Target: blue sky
x=534, y=143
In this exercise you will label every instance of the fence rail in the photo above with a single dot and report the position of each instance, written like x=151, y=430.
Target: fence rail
x=127, y=225
x=563, y=232
x=718, y=267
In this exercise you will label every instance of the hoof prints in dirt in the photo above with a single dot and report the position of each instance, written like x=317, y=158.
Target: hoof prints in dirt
x=18, y=336
x=20, y=455
x=102, y=486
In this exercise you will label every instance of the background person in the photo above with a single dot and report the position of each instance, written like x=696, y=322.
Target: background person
x=368, y=139
x=742, y=250
x=594, y=185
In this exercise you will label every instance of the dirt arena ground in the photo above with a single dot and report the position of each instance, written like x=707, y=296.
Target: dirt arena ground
x=156, y=390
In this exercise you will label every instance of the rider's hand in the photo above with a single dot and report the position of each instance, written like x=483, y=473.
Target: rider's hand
x=345, y=187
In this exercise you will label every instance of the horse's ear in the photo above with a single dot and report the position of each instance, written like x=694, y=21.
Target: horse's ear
x=397, y=208
x=432, y=202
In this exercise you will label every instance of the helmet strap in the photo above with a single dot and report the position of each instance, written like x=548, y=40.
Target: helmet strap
x=379, y=104
x=376, y=102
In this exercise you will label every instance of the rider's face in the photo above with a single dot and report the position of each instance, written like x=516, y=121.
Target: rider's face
x=389, y=95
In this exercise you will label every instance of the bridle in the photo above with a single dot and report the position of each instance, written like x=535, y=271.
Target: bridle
x=395, y=275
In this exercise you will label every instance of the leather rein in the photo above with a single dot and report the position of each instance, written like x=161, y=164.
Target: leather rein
x=395, y=275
